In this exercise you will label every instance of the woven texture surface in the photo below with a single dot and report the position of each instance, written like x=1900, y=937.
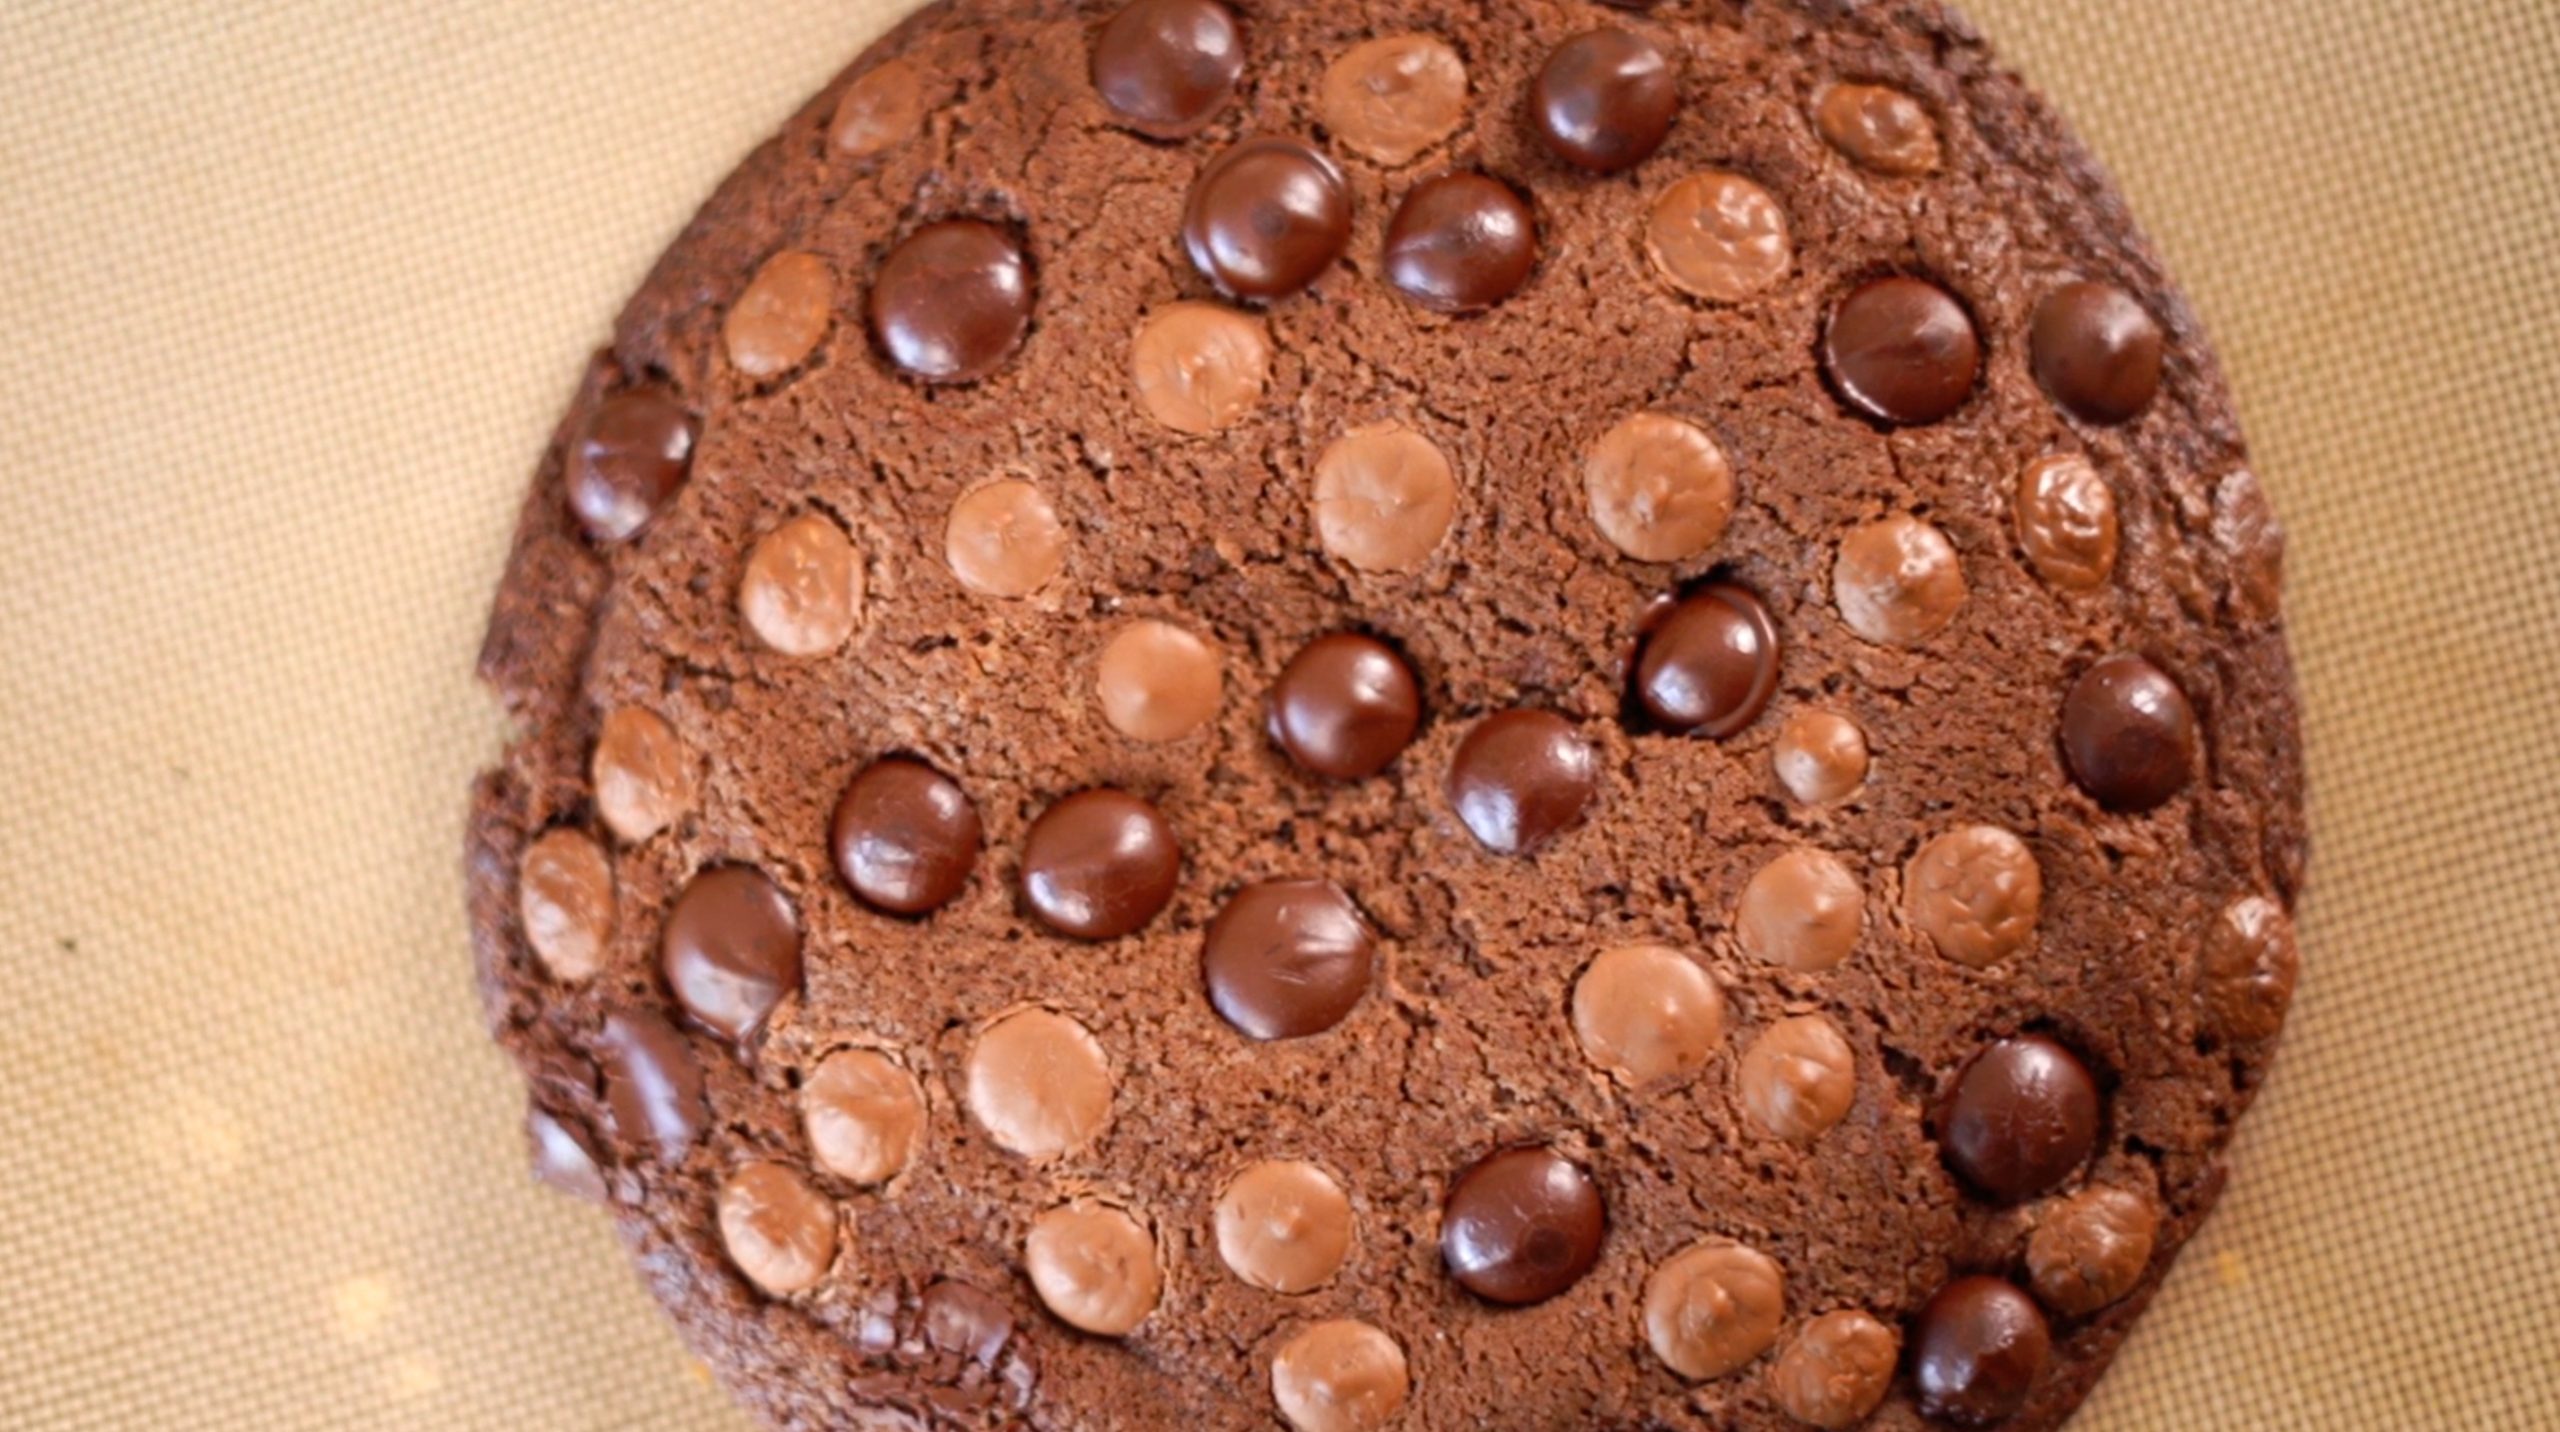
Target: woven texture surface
x=294, y=291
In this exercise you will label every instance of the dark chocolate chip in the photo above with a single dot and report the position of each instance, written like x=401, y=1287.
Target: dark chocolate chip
x=1287, y=958
x=1166, y=67
x=1902, y=350
x=905, y=836
x=1521, y=778
x=731, y=949
x=1099, y=864
x=1266, y=217
x=2023, y=1116
x=627, y=459
x=1604, y=100
x=1461, y=242
x=1345, y=706
x=2128, y=734
x=1521, y=1226
x=1710, y=664
x=953, y=301
x=2096, y=352
x=1977, y=1351
x=652, y=1084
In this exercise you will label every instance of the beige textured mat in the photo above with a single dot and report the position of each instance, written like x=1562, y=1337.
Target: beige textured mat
x=292, y=290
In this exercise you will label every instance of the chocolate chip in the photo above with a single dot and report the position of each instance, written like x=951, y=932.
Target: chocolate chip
x=905, y=836
x=1521, y=1226
x=1837, y=1370
x=883, y=106
x=1099, y=864
x=1521, y=778
x=1977, y=1351
x=2128, y=734
x=2066, y=519
x=2096, y=351
x=1604, y=100
x=564, y=900
x=1718, y=236
x=2249, y=968
x=1461, y=242
x=1881, y=129
x=1395, y=96
x=1340, y=1376
x=627, y=459
x=1266, y=217
x=952, y=301
x=1711, y=664
x=652, y=1084
x=776, y=1229
x=1039, y=1083
x=1094, y=1266
x=1712, y=1307
x=965, y=1322
x=1287, y=958
x=1902, y=350
x=2022, y=1117
x=2092, y=1249
x=1384, y=497
x=1166, y=67
x=1345, y=706
x=782, y=315
x=565, y=1159
x=731, y=949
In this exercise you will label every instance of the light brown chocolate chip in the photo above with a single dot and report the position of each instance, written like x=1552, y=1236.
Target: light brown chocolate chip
x=1897, y=581
x=1094, y=1266
x=2066, y=518
x=1712, y=1307
x=2250, y=965
x=864, y=1116
x=1393, y=97
x=1820, y=756
x=564, y=896
x=1284, y=1226
x=1880, y=129
x=1659, y=487
x=1837, y=1370
x=1645, y=1012
x=1199, y=367
x=642, y=773
x=1976, y=892
x=1038, y=1084
x=1157, y=682
x=782, y=317
x=880, y=108
x=2252, y=543
x=1385, y=496
x=1004, y=539
x=2091, y=1249
x=1340, y=1376
x=1803, y=911
x=1798, y=1078
x=1718, y=236
x=803, y=589
x=780, y=1232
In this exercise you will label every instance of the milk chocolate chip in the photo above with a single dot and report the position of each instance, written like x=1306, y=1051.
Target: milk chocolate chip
x=1646, y=1012
x=564, y=898
x=1094, y=1266
x=1718, y=236
x=1660, y=488
x=863, y=1114
x=1199, y=367
x=1384, y=497
x=2250, y=965
x=1897, y=581
x=802, y=592
x=883, y=106
x=1394, y=97
x=778, y=321
x=1881, y=129
x=1004, y=539
x=1712, y=1307
x=643, y=775
x=778, y=1231
x=1284, y=1226
x=1837, y=1370
x=2091, y=1249
x=1157, y=682
x=2066, y=518
x=1976, y=892
x=1340, y=1376
x=1820, y=756
x=1798, y=1078
x=1038, y=1083
x=1803, y=911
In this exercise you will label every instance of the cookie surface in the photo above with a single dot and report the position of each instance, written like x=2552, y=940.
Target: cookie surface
x=1522, y=715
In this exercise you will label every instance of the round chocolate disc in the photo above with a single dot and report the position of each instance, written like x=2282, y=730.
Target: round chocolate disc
x=1522, y=778
x=2023, y=1116
x=1099, y=864
x=1977, y=1351
x=1604, y=100
x=1902, y=351
x=1166, y=67
x=953, y=301
x=1521, y=1226
x=1711, y=664
x=905, y=836
x=2128, y=734
x=1345, y=706
x=731, y=949
x=1266, y=217
x=1287, y=958
x=1461, y=242
x=2096, y=351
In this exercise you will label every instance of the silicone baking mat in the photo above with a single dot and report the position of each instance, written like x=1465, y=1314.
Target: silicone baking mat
x=292, y=291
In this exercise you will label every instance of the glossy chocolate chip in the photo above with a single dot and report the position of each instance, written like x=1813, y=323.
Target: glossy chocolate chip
x=1710, y=664
x=2128, y=734
x=652, y=1084
x=905, y=836
x=1287, y=958
x=1461, y=242
x=1166, y=67
x=953, y=301
x=1604, y=100
x=2096, y=351
x=1099, y=864
x=1977, y=1351
x=1902, y=350
x=1521, y=1226
x=627, y=459
x=2022, y=1117
x=1521, y=778
x=731, y=949
x=1345, y=706
x=1266, y=217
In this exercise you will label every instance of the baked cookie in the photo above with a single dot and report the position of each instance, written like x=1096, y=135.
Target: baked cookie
x=1397, y=714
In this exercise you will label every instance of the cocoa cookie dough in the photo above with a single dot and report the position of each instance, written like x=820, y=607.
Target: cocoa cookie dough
x=1515, y=715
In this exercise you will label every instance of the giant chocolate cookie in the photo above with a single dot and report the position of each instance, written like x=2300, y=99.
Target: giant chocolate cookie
x=1361, y=714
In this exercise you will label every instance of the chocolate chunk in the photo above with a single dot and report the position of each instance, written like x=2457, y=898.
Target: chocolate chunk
x=1287, y=958
x=1166, y=67
x=2022, y=1117
x=1902, y=350
x=626, y=460
x=652, y=1084
x=731, y=949
x=1266, y=218
x=1977, y=1350
x=565, y=1157
x=1461, y=242
x=1605, y=100
x=1711, y=664
x=1099, y=864
x=905, y=836
x=1521, y=1226
x=1522, y=778
x=1345, y=706
x=2096, y=351
x=952, y=302
x=2128, y=734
